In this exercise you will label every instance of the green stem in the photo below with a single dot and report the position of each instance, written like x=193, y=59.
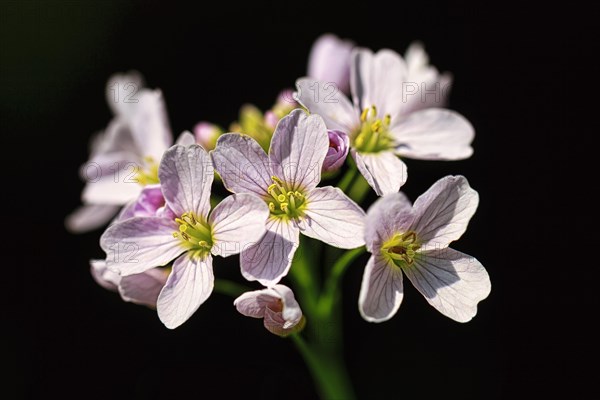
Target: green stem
x=359, y=190
x=327, y=370
x=347, y=179
x=230, y=288
x=304, y=275
x=332, y=283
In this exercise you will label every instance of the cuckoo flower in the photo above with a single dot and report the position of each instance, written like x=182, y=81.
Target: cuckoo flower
x=125, y=156
x=277, y=306
x=286, y=180
x=329, y=61
x=383, y=121
x=414, y=241
x=185, y=233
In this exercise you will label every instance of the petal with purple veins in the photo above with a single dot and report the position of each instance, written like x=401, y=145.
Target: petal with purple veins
x=298, y=149
x=237, y=222
x=138, y=244
x=242, y=164
x=450, y=281
x=381, y=291
x=333, y=218
x=186, y=175
x=189, y=285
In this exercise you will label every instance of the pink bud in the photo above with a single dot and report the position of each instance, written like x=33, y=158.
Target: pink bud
x=339, y=144
x=271, y=119
x=207, y=134
x=286, y=99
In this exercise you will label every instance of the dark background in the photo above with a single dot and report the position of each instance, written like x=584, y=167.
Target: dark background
x=517, y=74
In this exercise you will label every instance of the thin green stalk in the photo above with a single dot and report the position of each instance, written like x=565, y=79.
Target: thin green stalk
x=332, y=283
x=304, y=275
x=327, y=369
x=359, y=190
x=348, y=179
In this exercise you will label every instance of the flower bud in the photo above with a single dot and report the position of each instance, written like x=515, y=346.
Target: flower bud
x=207, y=134
x=339, y=143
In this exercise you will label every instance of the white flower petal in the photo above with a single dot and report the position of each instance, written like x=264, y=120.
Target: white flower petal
x=381, y=291
x=378, y=79
x=451, y=281
x=108, y=191
x=384, y=171
x=416, y=58
x=389, y=215
x=298, y=149
x=291, y=312
x=329, y=61
x=140, y=243
x=434, y=134
x=143, y=288
x=333, y=218
x=425, y=87
x=115, y=139
x=325, y=100
x=443, y=212
x=237, y=222
x=103, y=276
x=189, y=285
x=90, y=216
x=186, y=139
x=121, y=89
x=242, y=164
x=149, y=123
x=186, y=175
x=270, y=259
x=253, y=304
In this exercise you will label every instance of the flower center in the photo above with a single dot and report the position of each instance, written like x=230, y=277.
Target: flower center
x=147, y=174
x=373, y=135
x=285, y=203
x=195, y=233
x=401, y=248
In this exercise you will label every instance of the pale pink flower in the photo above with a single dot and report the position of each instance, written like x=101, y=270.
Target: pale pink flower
x=286, y=179
x=414, y=240
x=185, y=233
x=124, y=158
x=386, y=118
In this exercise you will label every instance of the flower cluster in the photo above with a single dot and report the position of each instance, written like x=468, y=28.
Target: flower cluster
x=288, y=173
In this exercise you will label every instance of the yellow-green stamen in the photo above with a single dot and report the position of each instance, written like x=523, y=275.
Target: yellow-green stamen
x=148, y=173
x=195, y=233
x=373, y=135
x=285, y=203
x=402, y=248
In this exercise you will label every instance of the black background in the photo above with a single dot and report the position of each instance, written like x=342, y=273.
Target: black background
x=517, y=75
